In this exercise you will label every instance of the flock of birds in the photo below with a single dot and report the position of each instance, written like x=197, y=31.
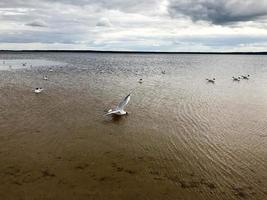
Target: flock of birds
x=119, y=110
x=38, y=89
x=246, y=77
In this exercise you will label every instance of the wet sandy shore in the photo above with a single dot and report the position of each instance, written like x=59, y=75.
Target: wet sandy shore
x=58, y=145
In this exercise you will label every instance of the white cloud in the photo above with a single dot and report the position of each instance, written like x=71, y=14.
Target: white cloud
x=104, y=22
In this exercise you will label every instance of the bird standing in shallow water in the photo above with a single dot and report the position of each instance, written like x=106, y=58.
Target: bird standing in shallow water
x=211, y=80
x=246, y=77
x=236, y=79
x=38, y=90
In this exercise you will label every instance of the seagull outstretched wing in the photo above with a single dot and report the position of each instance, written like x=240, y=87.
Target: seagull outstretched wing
x=120, y=108
x=124, y=102
x=112, y=112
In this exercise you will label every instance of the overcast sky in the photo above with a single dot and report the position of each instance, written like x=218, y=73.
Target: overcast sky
x=147, y=25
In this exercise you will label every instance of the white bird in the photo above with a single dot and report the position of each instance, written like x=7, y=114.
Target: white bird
x=38, y=90
x=119, y=110
x=245, y=77
x=50, y=70
x=236, y=79
x=211, y=80
x=45, y=78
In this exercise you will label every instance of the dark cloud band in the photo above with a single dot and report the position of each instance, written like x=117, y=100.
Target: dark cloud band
x=219, y=12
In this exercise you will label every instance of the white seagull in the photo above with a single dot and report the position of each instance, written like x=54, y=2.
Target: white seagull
x=38, y=90
x=211, y=80
x=119, y=110
x=236, y=79
x=245, y=77
x=45, y=78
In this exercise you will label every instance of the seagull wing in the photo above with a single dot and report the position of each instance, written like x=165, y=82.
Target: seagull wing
x=124, y=102
x=112, y=112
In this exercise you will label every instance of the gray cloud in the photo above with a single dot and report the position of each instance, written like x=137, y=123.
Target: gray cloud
x=219, y=12
x=136, y=25
x=35, y=37
x=37, y=23
x=122, y=5
x=104, y=22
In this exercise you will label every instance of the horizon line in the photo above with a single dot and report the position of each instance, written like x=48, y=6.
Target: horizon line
x=138, y=52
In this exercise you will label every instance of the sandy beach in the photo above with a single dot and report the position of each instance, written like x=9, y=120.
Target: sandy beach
x=183, y=138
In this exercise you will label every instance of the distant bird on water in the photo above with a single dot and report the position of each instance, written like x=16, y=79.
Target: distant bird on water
x=211, y=80
x=38, y=90
x=45, y=78
x=236, y=78
x=163, y=72
x=140, y=80
x=245, y=77
x=119, y=110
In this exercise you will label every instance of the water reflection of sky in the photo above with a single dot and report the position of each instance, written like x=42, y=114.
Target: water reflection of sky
x=26, y=63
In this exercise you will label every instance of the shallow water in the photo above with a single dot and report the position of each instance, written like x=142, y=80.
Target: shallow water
x=9, y=64
x=184, y=138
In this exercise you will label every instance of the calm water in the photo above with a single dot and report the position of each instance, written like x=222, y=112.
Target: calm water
x=183, y=139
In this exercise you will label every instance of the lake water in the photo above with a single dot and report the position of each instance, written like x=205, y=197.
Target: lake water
x=184, y=138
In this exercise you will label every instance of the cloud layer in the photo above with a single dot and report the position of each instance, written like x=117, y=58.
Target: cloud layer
x=156, y=25
x=219, y=12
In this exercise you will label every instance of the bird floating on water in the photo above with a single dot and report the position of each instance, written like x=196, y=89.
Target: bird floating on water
x=38, y=90
x=236, y=78
x=245, y=77
x=211, y=80
x=163, y=72
x=45, y=78
x=50, y=70
x=140, y=80
x=119, y=110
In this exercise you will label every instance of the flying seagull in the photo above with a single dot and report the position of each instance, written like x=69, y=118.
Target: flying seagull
x=119, y=110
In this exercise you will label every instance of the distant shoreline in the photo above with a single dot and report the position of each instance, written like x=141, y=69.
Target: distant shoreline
x=130, y=52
